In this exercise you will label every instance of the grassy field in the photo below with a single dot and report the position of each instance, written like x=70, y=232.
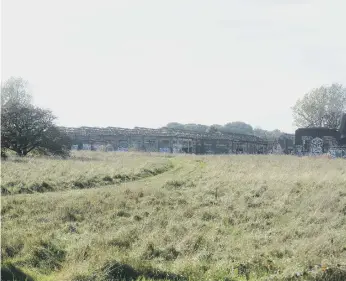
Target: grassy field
x=224, y=218
x=82, y=170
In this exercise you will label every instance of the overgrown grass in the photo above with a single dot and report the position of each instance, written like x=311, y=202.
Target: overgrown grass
x=82, y=170
x=208, y=218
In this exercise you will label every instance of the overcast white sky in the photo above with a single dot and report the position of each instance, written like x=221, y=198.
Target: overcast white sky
x=147, y=63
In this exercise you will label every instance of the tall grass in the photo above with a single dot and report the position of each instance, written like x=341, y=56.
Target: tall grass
x=206, y=218
x=82, y=170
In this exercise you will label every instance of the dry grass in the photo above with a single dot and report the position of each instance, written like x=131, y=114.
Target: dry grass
x=207, y=218
x=82, y=170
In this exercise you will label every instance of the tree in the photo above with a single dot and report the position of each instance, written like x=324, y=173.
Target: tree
x=238, y=127
x=196, y=128
x=175, y=125
x=268, y=135
x=25, y=127
x=233, y=127
x=188, y=127
x=259, y=132
x=55, y=142
x=213, y=130
x=15, y=91
x=321, y=107
x=217, y=126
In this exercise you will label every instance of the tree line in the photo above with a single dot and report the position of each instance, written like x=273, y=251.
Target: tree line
x=321, y=107
x=26, y=128
x=237, y=127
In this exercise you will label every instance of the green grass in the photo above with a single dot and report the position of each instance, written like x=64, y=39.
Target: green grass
x=204, y=218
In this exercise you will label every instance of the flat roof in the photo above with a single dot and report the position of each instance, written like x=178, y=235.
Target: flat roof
x=316, y=128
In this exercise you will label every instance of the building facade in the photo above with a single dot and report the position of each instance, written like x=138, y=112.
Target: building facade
x=322, y=140
x=305, y=141
x=164, y=140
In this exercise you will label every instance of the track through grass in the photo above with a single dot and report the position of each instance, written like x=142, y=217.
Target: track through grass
x=30, y=175
x=206, y=218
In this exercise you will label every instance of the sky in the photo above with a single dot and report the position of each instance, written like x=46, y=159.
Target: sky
x=147, y=63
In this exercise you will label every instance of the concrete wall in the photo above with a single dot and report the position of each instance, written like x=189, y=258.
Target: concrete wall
x=167, y=144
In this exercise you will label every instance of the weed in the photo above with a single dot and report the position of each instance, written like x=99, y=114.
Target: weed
x=122, y=213
x=47, y=256
x=72, y=214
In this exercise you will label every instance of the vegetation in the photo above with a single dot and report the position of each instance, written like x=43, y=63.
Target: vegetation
x=238, y=217
x=134, y=216
x=321, y=107
x=232, y=127
x=81, y=170
x=25, y=127
x=237, y=127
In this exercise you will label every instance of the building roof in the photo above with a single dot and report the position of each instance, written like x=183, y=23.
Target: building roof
x=162, y=132
x=316, y=128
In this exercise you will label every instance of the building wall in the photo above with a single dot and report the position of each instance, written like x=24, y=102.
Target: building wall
x=164, y=140
x=317, y=141
x=303, y=134
x=164, y=144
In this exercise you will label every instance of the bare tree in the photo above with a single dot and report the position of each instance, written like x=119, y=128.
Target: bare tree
x=321, y=107
x=15, y=91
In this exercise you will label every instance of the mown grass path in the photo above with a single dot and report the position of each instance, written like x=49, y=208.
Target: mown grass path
x=181, y=168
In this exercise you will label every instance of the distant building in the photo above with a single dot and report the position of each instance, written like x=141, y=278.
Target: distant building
x=305, y=136
x=310, y=140
x=342, y=130
x=286, y=142
x=165, y=140
x=168, y=140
